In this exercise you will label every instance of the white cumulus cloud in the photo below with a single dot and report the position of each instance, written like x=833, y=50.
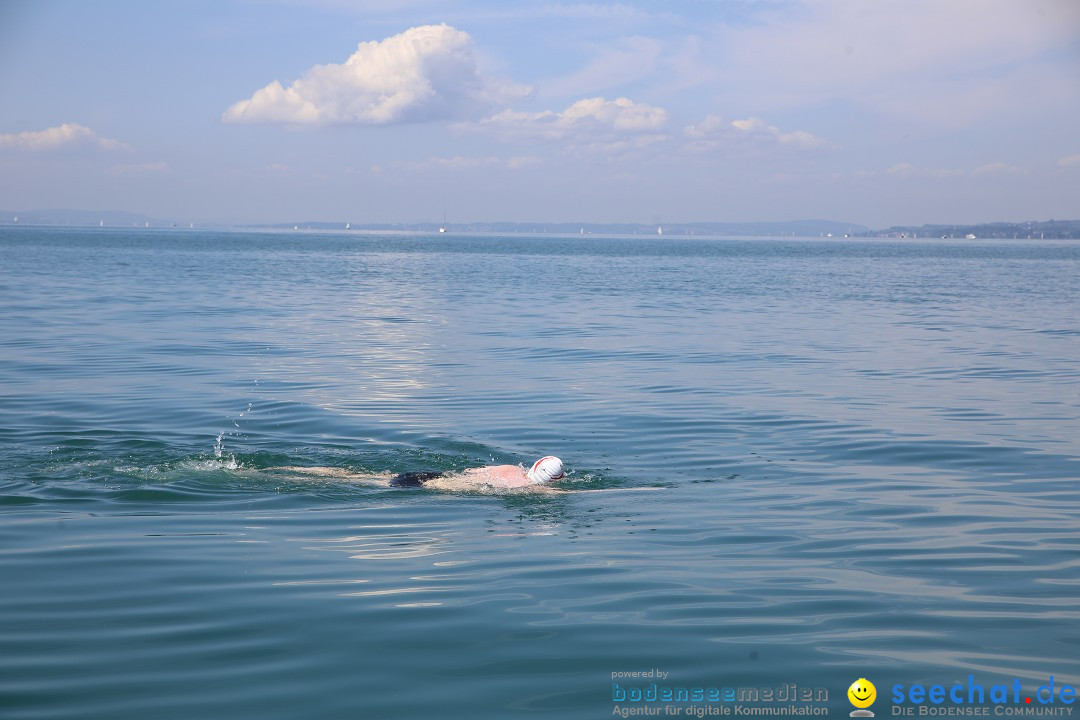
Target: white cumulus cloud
x=585, y=119
x=425, y=73
x=66, y=135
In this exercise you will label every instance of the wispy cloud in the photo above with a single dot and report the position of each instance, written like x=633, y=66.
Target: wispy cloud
x=628, y=60
x=622, y=15
x=423, y=74
x=999, y=168
x=139, y=169
x=602, y=12
x=465, y=162
x=906, y=170
x=1069, y=161
x=589, y=119
x=588, y=11
x=714, y=133
x=903, y=58
x=61, y=136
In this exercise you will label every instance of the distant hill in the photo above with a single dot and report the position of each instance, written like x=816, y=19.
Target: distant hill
x=1050, y=229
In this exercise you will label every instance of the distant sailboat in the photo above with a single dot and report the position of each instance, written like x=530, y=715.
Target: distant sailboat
x=659, y=230
x=442, y=228
x=348, y=225
x=101, y=223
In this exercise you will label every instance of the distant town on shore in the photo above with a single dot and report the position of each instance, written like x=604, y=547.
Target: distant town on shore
x=1036, y=230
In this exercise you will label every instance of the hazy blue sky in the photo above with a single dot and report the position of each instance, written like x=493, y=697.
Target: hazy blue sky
x=869, y=111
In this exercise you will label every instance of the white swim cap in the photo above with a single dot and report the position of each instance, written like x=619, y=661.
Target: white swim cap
x=546, y=469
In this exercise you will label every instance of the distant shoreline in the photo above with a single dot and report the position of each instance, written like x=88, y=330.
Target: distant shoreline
x=1033, y=230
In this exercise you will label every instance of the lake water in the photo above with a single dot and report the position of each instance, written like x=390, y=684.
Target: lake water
x=866, y=455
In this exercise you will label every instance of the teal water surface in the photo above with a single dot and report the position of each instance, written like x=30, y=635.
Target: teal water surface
x=864, y=458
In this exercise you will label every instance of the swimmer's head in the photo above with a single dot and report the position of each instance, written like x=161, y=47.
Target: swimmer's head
x=546, y=469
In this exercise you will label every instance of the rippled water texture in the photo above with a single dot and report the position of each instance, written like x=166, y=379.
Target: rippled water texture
x=866, y=455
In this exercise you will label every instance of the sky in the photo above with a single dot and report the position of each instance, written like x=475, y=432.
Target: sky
x=235, y=111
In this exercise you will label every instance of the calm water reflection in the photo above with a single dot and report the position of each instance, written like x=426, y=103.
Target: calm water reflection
x=866, y=452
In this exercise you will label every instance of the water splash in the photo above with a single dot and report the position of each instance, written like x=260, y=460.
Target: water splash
x=230, y=462
x=238, y=418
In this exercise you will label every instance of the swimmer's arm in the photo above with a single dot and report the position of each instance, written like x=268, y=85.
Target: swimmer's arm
x=335, y=473
x=544, y=488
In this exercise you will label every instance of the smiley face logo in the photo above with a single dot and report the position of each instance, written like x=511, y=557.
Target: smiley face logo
x=862, y=695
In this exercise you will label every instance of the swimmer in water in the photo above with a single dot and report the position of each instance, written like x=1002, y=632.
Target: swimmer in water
x=545, y=470
x=491, y=478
